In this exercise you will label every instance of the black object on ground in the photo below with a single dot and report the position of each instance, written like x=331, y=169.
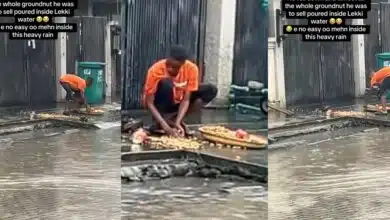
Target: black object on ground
x=186, y=168
x=130, y=125
x=150, y=165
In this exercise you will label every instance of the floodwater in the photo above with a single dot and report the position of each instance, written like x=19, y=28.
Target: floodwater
x=61, y=173
x=336, y=177
x=193, y=198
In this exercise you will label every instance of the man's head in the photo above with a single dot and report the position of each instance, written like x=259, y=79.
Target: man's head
x=89, y=81
x=177, y=57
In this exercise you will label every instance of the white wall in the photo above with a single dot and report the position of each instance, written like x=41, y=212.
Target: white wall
x=276, y=83
x=60, y=47
x=220, y=28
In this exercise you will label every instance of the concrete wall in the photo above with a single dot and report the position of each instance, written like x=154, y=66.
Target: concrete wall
x=220, y=33
x=276, y=83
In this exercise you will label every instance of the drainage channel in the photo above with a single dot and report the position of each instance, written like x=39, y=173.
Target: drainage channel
x=178, y=184
x=321, y=130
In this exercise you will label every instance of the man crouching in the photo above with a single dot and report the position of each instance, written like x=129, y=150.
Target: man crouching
x=172, y=88
x=381, y=80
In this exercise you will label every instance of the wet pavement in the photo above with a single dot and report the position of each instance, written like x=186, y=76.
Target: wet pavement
x=61, y=173
x=332, y=175
x=193, y=198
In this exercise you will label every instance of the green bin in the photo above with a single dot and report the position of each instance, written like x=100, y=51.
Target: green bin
x=383, y=60
x=94, y=93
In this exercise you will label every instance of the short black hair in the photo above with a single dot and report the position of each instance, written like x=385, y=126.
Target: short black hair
x=178, y=52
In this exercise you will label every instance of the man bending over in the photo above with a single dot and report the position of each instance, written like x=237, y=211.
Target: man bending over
x=381, y=80
x=75, y=89
x=172, y=88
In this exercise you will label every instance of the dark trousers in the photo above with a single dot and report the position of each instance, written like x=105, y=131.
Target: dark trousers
x=70, y=93
x=384, y=87
x=164, y=99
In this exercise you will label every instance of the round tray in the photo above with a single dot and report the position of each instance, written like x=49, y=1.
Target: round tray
x=230, y=141
x=84, y=112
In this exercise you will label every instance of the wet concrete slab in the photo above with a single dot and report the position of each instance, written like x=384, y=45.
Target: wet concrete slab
x=333, y=174
x=60, y=173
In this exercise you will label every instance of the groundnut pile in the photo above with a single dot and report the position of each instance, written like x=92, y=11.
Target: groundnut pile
x=97, y=111
x=234, y=135
x=55, y=116
x=219, y=131
x=347, y=114
x=174, y=143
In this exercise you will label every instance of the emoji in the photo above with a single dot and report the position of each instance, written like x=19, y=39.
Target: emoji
x=332, y=21
x=339, y=21
x=38, y=19
x=45, y=19
x=288, y=28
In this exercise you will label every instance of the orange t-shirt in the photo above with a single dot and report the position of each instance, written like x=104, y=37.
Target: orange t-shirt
x=186, y=80
x=380, y=75
x=75, y=82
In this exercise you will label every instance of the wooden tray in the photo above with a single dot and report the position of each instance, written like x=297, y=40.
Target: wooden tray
x=234, y=141
x=84, y=112
x=59, y=116
x=374, y=108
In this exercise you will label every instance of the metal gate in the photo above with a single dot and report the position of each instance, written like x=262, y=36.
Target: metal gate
x=27, y=74
x=317, y=71
x=88, y=43
x=378, y=40
x=41, y=72
x=149, y=28
x=250, y=43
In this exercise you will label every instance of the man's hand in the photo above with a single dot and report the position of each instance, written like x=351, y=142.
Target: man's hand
x=170, y=131
x=180, y=129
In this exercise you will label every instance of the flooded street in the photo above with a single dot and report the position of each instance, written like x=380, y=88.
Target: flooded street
x=60, y=173
x=332, y=177
x=193, y=198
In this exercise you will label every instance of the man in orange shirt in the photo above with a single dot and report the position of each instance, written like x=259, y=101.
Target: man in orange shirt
x=381, y=80
x=75, y=89
x=172, y=87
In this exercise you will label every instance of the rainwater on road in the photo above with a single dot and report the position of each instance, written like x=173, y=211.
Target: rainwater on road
x=193, y=198
x=336, y=177
x=60, y=174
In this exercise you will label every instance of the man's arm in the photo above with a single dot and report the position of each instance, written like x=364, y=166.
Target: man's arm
x=156, y=114
x=183, y=108
x=193, y=84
